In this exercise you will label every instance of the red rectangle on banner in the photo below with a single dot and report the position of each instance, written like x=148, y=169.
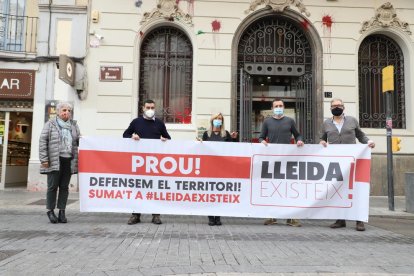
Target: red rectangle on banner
x=363, y=170
x=91, y=161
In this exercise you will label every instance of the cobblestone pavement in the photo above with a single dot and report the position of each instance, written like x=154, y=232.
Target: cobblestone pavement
x=103, y=244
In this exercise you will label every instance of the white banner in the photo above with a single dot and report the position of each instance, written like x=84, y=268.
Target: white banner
x=224, y=179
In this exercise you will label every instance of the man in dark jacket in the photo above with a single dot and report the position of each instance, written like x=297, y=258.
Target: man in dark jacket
x=341, y=129
x=147, y=127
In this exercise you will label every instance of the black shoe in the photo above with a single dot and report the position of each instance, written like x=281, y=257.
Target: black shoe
x=360, y=226
x=211, y=221
x=134, y=219
x=218, y=221
x=338, y=224
x=62, y=217
x=156, y=219
x=52, y=217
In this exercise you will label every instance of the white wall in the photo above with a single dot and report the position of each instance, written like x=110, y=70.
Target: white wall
x=111, y=105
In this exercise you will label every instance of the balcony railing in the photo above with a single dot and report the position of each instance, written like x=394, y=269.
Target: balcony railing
x=18, y=33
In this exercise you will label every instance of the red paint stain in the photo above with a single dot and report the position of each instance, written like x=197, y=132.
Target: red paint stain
x=327, y=21
x=216, y=25
x=305, y=24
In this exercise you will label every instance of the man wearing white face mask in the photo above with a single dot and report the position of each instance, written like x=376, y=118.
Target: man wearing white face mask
x=147, y=127
x=279, y=130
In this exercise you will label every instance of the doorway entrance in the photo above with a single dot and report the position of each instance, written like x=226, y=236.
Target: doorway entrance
x=15, y=142
x=275, y=60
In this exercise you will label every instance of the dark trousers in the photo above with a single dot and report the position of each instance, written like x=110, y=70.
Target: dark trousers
x=138, y=214
x=58, y=180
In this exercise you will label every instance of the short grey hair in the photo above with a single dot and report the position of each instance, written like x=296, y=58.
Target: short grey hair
x=61, y=105
x=337, y=100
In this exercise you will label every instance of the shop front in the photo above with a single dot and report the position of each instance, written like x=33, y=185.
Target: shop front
x=16, y=117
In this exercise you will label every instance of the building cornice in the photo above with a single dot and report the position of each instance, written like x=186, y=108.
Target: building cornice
x=64, y=9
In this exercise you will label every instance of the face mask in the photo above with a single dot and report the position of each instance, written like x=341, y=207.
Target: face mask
x=217, y=123
x=149, y=113
x=337, y=111
x=278, y=111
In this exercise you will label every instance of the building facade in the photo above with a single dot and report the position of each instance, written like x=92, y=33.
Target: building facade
x=32, y=36
x=198, y=57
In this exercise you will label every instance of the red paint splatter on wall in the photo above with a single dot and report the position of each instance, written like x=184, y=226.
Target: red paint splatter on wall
x=216, y=25
x=327, y=21
x=305, y=24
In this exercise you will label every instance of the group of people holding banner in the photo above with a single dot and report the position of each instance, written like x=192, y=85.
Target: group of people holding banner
x=60, y=138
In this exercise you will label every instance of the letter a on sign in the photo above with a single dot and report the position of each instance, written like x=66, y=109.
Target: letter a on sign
x=388, y=79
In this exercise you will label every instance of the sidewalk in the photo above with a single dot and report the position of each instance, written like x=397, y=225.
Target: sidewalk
x=103, y=244
x=22, y=199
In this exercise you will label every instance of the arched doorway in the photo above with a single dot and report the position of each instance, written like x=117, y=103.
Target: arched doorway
x=277, y=58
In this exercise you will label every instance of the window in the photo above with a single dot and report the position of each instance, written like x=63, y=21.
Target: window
x=166, y=67
x=375, y=53
x=12, y=25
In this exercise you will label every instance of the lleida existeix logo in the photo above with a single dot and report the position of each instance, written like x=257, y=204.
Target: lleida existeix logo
x=302, y=181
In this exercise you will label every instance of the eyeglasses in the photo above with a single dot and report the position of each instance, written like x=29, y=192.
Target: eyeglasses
x=337, y=105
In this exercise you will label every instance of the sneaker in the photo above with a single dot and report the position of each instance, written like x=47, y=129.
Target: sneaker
x=134, y=219
x=270, y=221
x=293, y=222
x=360, y=226
x=338, y=224
x=156, y=219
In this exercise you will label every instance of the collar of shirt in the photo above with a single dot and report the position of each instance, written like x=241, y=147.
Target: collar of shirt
x=340, y=123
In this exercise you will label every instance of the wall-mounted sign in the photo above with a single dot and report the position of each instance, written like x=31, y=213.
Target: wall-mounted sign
x=110, y=73
x=17, y=84
x=67, y=69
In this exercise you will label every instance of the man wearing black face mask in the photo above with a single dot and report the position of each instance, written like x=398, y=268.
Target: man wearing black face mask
x=341, y=129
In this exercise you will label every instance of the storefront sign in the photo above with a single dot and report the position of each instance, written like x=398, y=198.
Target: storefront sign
x=17, y=84
x=111, y=73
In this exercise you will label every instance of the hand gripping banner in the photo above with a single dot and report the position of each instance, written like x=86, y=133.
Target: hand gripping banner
x=224, y=179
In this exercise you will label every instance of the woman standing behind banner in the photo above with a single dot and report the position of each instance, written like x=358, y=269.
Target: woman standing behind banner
x=58, y=154
x=217, y=133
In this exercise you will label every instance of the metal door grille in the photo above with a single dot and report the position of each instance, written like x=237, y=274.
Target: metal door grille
x=166, y=74
x=278, y=46
x=245, y=115
x=304, y=108
x=375, y=53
